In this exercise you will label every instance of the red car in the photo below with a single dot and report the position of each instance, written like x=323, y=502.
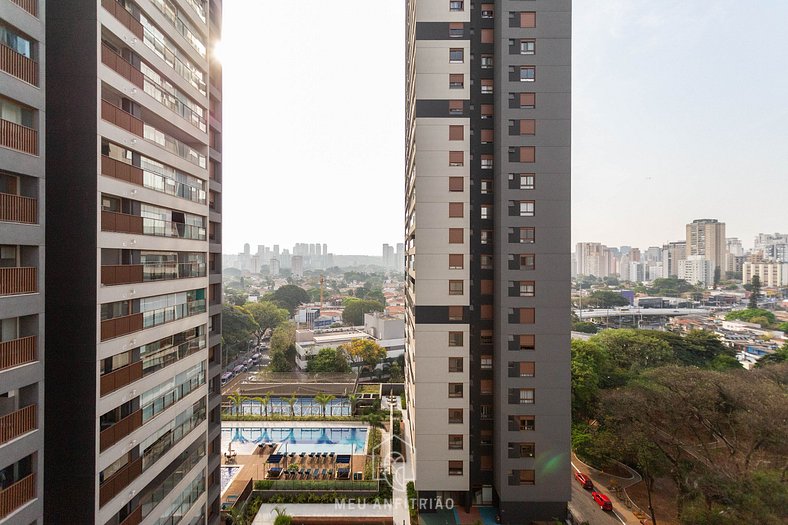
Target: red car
x=602, y=500
x=584, y=480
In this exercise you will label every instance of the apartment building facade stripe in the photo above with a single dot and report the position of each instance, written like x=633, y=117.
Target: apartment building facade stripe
x=133, y=241
x=487, y=245
x=22, y=223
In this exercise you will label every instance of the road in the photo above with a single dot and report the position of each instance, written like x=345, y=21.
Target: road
x=584, y=508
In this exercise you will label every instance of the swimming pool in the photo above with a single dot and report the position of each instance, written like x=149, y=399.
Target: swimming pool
x=303, y=406
x=227, y=475
x=341, y=440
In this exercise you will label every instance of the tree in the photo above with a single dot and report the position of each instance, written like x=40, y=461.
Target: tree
x=289, y=297
x=631, y=351
x=328, y=360
x=264, y=401
x=235, y=297
x=354, y=311
x=755, y=292
x=279, y=362
x=292, y=400
x=282, y=518
x=606, y=299
x=267, y=315
x=237, y=401
x=352, y=399
x=238, y=516
x=589, y=363
x=716, y=277
x=283, y=337
x=783, y=327
x=364, y=353
x=778, y=356
x=374, y=420
x=323, y=400
x=238, y=325
x=749, y=313
x=585, y=327
x=396, y=374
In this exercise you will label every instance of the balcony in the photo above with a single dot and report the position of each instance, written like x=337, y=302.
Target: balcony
x=124, y=427
x=17, y=494
x=121, y=170
x=18, y=137
x=18, y=65
x=18, y=280
x=31, y=6
x=17, y=423
x=16, y=208
x=118, y=326
x=119, y=480
x=124, y=17
x=120, y=222
x=121, y=118
x=120, y=377
x=123, y=223
x=144, y=273
x=121, y=66
x=17, y=352
x=134, y=518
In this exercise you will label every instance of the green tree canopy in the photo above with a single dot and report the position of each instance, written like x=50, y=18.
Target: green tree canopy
x=605, y=299
x=289, y=297
x=756, y=292
x=355, y=309
x=670, y=287
x=328, y=360
x=267, y=314
x=238, y=326
x=589, y=363
x=585, y=327
x=364, y=352
x=631, y=351
x=279, y=362
x=749, y=313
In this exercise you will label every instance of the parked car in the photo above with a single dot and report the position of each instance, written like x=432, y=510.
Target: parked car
x=584, y=480
x=602, y=500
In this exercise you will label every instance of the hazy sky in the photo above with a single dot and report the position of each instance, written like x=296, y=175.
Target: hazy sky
x=679, y=112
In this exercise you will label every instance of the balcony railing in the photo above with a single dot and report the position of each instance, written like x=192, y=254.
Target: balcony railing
x=17, y=352
x=120, y=222
x=18, y=280
x=143, y=273
x=18, y=65
x=118, y=326
x=18, y=137
x=16, y=208
x=31, y=6
x=17, y=494
x=124, y=17
x=17, y=423
x=121, y=118
x=121, y=66
x=119, y=480
x=120, y=377
x=124, y=427
x=135, y=518
x=120, y=170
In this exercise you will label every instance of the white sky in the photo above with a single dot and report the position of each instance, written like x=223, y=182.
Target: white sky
x=679, y=112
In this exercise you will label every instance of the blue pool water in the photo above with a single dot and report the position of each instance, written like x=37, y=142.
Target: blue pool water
x=304, y=406
x=227, y=474
x=340, y=440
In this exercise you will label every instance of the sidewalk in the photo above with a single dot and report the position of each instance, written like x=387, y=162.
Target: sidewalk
x=606, y=483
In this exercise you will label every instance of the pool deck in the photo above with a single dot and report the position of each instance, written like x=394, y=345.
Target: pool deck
x=294, y=424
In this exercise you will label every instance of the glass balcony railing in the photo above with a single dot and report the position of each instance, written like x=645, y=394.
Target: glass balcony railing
x=168, y=314
x=162, y=228
x=174, y=146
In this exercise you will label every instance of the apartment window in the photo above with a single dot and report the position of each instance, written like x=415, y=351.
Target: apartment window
x=455, y=415
x=455, y=338
x=486, y=236
x=455, y=468
x=455, y=366
x=455, y=441
x=527, y=235
x=486, y=386
x=488, y=11
x=487, y=162
x=456, y=158
x=456, y=56
x=527, y=100
x=486, y=362
x=456, y=5
x=486, y=437
x=488, y=36
x=522, y=423
x=525, y=369
x=487, y=86
x=486, y=211
x=526, y=396
x=488, y=136
x=456, y=313
x=526, y=477
x=526, y=342
x=455, y=389
x=8, y=256
x=455, y=107
x=455, y=287
x=522, y=181
x=527, y=261
x=528, y=19
x=456, y=210
x=527, y=73
x=456, y=261
x=16, y=113
x=527, y=47
x=526, y=315
x=486, y=337
x=486, y=187
x=527, y=127
x=527, y=208
x=456, y=30
x=456, y=132
x=456, y=236
x=527, y=289
x=486, y=262
x=16, y=41
x=486, y=411
x=486, y=287
x=486, y=312
x=521, y=450
x=456, y=81
x=487, y=62
x=526, y=154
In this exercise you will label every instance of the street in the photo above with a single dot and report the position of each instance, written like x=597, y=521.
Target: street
x=585, y=509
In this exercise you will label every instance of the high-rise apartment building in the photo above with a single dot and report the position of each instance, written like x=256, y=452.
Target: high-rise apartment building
x=133, y=257
x=488, y=252
x=706, y=237
x=22, y=150
x=593, y=258
x=672, y=253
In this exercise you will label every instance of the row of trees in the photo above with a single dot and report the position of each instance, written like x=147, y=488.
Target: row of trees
x=267, y=408
x=682, y=408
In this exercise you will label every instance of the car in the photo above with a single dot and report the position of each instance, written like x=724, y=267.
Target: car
x=584, y=480
x=602, y=500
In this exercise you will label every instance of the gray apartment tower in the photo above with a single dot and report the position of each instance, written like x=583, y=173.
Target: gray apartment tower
x=22, y=127
x=133, y=238
x=487, y=250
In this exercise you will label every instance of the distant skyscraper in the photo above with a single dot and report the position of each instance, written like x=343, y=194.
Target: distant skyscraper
x=697, y=269
x=400, y=257
x=772, y=245
x=388, y=256
x=273, y=266
x=297, y=264
x=706, y=237
x=672, y=253
x=247, y=249
x=325, y=249
x=276, y=250
x=593, y=258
